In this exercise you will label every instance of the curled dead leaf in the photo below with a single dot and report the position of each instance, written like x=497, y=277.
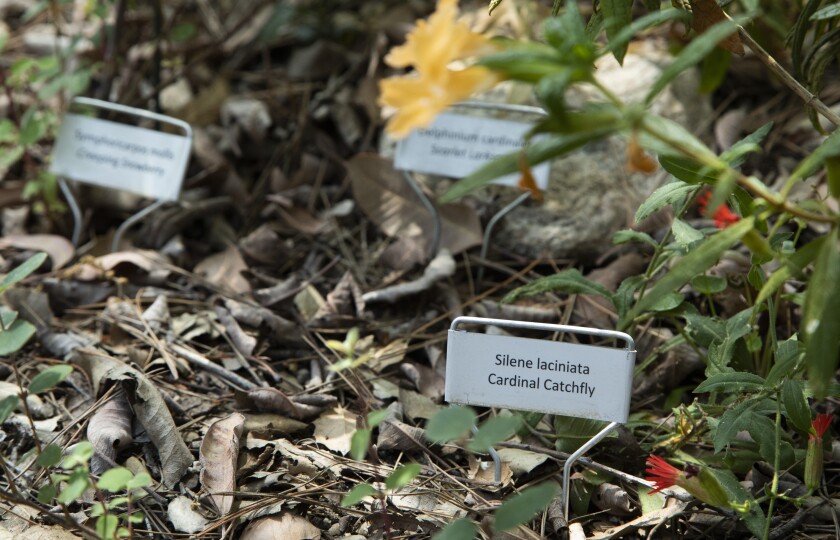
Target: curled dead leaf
x=109, y=430
x=218, y=454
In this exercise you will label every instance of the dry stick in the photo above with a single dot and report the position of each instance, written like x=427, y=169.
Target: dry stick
x=809, y=98
x=197, y=359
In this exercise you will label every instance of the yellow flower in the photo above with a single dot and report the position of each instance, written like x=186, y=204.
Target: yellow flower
x=431, y=47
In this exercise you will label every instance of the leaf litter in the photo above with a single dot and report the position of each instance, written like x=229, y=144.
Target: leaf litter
x=201, y=345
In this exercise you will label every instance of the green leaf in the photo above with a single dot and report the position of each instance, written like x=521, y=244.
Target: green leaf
x=721, y=352
x=737, y=154
x=493, y=431
x=733, y=382
x=753, y=518
x=663, y=196
x=77, y=483
x=618, y=14
x=713, y=70
x=794, y=265
x=788, y=353
x=829, y=147
x=460, y=529
x=450, y=424
x=15, y=336
x=106, y=525
x=628, y=235
x=623, y=37
x=667, y=302
x=49, y=378
x=359, y=443
x=115, y=479
x=80, y=454
x=827, y=12
x=696, y=262
x=796, y=406
x=568, y=281
x=522, y=507
x=10, y=157
x=572, y=432
x=46, y=494
x=708, y=284
x=731, y=422
x=685, y=234
x=821, y=319
x=50, y=455
x=691, y=54
x=375, y=418
x=140, y=480
x=402, y=476
x=536, y=152
x=358, y=493
x=7, y=406
x=32, y=127
x=30, y=265
x=666, y=138
x=687, y=170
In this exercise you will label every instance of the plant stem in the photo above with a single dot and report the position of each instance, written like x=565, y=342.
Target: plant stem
x=810, y=99
x=774, y=486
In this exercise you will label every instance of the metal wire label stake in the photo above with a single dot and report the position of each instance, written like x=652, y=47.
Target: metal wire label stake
x=141, y=160
x=456, y=144
x=553, y=377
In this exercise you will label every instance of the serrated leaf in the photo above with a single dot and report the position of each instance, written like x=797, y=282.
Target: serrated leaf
x=402, y=476
x=449, y=424
x=693, y=53
x=15, y=336
x=355, y=495
x=49, y=378
x=821, y=320
x=50, y=455
x=568, y=281
x=27, y=267
x=796, y=406
x=114, y=479
x=696, y=262
x=663, y=196
x=7, y=406
x=522, y=507
x=732, y=382
x=731, y=422
x=460, y=529
x=494, y=431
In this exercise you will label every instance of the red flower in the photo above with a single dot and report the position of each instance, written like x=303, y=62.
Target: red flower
x=819, y=425
x=723, y=217
x=661, y=473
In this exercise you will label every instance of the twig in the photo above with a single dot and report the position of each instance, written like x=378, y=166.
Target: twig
x=197, y=359
x=810, y=99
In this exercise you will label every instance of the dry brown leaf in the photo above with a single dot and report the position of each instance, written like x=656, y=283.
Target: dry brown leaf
x=150, y=261
x=204, y=109
x=707, y=13
x=218, y=454
x=613, y=499
x=149, y=408
x=60, y=250
x=283, y=526
x=417, y=405
x=109, y=430
x=334, y=429
x=387, y=199
x=302, y=221
x=271, y=424
x=225, y=270
x=521, y=461
x=243, y=342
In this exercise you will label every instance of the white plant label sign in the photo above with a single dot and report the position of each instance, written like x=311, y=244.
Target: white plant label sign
x=583, y=381
x=455, y=145
x=119, y=156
